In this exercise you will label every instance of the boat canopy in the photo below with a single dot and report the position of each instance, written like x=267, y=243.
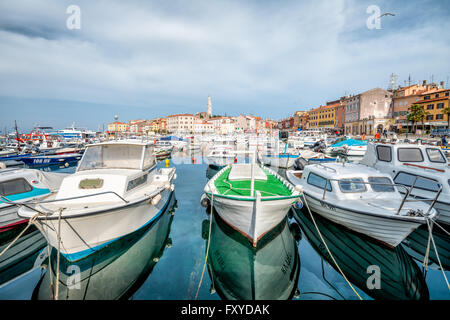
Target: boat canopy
x=117, y=156
x=171, y=138
x=350, y=142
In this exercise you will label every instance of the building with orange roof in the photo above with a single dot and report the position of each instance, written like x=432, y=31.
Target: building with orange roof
x=434, y=101
x=402, y=100
x=322, y=117
x=181, y=123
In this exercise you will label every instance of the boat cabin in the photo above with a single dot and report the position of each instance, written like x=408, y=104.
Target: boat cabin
x=346, y=181
x=423, y=166
x=21, y=184
x=114, y=167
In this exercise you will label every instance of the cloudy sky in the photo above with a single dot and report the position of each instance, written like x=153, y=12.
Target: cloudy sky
x=144, y=59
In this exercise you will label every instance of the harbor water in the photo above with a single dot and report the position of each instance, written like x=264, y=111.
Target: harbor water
x=166, y=260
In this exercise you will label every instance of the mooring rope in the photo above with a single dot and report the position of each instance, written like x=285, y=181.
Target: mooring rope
x=207, y=248
x=30, y=222
x=58, y=256
x=437, y=255
x=329, y=252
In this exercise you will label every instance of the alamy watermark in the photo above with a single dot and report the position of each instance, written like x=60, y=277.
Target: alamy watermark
x=73, y=22
x=374, y=280
x=374, y=20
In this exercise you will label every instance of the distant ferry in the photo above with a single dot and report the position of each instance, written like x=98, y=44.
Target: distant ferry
x=73, y=133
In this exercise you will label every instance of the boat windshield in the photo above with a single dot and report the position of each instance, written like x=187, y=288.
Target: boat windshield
x=381, y=184
x=112, y=156
x=352, y=185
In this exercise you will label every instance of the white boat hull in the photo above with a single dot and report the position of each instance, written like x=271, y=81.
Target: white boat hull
x=356, y=151
x=384, y=229
x=79, y=238
x=280, y=162
x=253, y=220
x=220, y=161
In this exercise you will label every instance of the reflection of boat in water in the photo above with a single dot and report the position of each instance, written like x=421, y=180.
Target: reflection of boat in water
x=212, y=170
x=115, y=271
x=240, y=271
x=400, y=276
x=418, y=241
x=24, y=255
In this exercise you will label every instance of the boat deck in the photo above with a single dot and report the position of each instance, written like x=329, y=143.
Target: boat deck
x=270, y=187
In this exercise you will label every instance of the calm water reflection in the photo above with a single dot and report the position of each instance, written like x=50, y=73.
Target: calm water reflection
x=114, y=272
x=240, y=271
x=165, y=261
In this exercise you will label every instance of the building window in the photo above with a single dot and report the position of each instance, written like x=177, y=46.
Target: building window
x=439, y=116
x=430, y=107
x=426, y=98
x=436, y=95
x=430, y=117
x=440, y=106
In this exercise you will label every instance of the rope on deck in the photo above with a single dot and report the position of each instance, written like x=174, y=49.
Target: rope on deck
x=329, y=252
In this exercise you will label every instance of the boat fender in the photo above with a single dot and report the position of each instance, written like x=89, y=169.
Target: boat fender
x=172, y=187
x=167, y=185
x=175, y=176
x=156, y=199
x=298, y=205
x=204, y=202
x=299, y=188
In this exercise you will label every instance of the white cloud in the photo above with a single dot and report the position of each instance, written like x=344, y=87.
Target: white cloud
x=274, y=56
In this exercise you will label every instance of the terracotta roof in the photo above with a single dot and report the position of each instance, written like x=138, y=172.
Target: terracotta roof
x=181, y=114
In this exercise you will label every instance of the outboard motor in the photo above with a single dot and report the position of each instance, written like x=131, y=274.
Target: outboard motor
x=300, y=163
x=319, y=146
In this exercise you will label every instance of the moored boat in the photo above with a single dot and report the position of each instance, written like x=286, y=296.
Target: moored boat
x=361, y=199
x=422, y=168
x=22, y=186
x=115, y=190
x=42, y=161
x=251, y=198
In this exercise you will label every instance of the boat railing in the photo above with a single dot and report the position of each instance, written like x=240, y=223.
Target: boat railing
x=70, y=198
x=326, y=167
x=405, y=198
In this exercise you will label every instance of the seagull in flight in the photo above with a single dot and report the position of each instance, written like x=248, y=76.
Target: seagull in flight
x=387, y=14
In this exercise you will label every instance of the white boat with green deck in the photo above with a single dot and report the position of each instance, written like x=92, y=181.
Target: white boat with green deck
x=250, y=198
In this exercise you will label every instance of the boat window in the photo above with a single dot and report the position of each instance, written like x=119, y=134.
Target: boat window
x=149, y=158
x=119, y=156
x=318, y=181
x=381, y=184
x=435, y=155
x=384, y=153
x=14, y=186
x=407, y=179
x=137, y=182
x=352, y=185
x=410, y=155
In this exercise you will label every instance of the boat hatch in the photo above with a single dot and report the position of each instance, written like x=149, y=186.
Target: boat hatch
x=14, y=186
x=117, y=156
x=91, y=184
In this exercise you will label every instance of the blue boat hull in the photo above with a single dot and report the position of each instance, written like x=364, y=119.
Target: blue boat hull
x=49, y=161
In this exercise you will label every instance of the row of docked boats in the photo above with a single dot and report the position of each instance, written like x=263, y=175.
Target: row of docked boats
x=394, y=190
x=116, y=188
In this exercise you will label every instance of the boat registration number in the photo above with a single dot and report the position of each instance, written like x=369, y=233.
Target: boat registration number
x=327, y=206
